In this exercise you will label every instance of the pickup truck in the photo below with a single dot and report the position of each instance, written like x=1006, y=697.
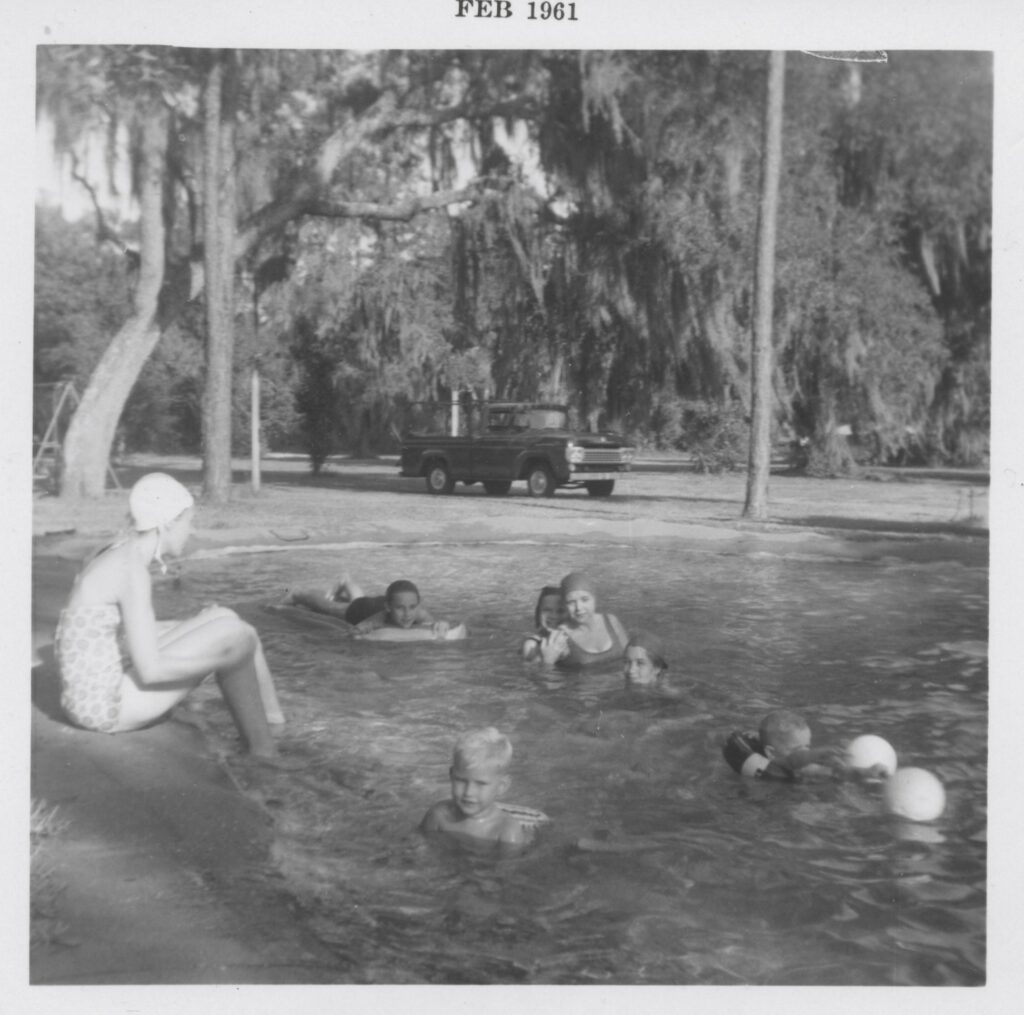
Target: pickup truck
x=502, y=442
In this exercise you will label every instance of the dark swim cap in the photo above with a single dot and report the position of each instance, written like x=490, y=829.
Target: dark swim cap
x=577, y=581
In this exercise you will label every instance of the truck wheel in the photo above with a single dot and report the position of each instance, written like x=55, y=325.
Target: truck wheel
x=540, y=482
x=439, y=479
x=600, y=487
x=497, y=488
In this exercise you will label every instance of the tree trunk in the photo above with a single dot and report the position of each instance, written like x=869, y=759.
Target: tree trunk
x=219, y=259
x=759, y=462
x=91, y=433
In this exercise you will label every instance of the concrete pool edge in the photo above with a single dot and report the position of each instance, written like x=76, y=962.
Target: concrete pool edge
x=153, y=831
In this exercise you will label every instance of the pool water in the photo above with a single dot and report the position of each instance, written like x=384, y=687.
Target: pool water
x=690, y=875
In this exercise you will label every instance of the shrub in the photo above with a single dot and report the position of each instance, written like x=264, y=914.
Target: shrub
x=716, y=436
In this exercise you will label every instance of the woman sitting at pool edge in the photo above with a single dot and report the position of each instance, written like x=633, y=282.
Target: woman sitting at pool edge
x=587, y=638
x=121, y=669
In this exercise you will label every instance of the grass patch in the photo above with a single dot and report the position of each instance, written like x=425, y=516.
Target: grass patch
x=46, y=928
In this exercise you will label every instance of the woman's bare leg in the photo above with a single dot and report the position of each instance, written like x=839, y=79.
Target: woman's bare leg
x=268, y=692
x=218, y=641
x=241, y=689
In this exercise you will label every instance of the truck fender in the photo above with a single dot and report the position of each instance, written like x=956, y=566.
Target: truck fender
x=431, y=455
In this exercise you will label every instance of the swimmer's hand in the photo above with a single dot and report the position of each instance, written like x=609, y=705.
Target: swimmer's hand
x=554, y=646
x=440, y=628
x=370, y=624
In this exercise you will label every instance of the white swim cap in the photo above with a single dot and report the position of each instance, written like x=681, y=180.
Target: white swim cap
x=156, y=500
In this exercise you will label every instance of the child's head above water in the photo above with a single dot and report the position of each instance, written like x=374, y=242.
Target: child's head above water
x=479, y=772
x=645, y=659
x=403, y=600
x=782, y=733
x=548, y=612
x=482, y=749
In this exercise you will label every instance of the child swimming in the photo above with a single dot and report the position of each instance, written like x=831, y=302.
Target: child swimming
x=587, y=638
x=645, y=661
x=548, y=614
x=781, y=749
x=479, y=778
x=399, y=609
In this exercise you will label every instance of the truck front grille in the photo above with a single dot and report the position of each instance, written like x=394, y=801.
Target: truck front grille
x=602, y=456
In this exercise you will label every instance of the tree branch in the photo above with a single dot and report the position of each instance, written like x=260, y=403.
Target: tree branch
x=104, y=234
x=403, y=211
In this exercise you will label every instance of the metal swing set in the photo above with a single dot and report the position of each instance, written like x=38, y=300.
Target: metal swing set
x=48, y=449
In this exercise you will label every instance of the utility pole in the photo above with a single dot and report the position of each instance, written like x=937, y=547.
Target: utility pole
x=759, y=462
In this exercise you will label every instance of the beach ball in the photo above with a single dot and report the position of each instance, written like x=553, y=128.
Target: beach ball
x=870, y=751
x=915, y=794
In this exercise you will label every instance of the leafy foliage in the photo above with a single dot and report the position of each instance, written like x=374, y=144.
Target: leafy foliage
x=605, y=256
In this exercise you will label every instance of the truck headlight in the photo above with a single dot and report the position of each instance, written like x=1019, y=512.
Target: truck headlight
x=573, y=453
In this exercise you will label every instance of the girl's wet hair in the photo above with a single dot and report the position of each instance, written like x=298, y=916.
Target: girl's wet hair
x=400, y=586
x=483, y=747
x=548, y=590
x=652, y=645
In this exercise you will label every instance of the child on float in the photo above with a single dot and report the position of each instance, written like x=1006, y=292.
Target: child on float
x=781, y=749
x=548, y=614
x=399, y=607
x=479, y=779
x=121, y=669
x=587, y=638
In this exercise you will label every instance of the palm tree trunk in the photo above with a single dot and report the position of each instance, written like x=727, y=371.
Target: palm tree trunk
x=91, y=432
x=759, y=462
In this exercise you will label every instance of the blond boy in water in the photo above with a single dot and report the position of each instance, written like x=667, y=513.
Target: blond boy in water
x=479, y=778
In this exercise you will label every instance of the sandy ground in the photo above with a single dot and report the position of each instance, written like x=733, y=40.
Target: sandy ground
x=156, y=860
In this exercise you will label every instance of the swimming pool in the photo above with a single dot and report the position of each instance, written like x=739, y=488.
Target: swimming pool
x=698, y=876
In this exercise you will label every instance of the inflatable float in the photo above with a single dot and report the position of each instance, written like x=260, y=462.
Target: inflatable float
x=457, y=632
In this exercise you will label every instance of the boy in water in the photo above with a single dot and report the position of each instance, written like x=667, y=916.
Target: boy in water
x=479, y=778
x=398, y=607
x=780, y=750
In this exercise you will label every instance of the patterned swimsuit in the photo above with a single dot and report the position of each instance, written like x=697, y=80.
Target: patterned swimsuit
x=93, y=665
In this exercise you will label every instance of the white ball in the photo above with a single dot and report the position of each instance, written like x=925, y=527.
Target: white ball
x=868, y=751
x=915, y=794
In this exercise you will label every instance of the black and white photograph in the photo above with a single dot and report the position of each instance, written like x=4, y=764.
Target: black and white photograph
x=511, y=507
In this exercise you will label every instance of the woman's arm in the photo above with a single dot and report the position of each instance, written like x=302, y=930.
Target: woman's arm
x=142, y=633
